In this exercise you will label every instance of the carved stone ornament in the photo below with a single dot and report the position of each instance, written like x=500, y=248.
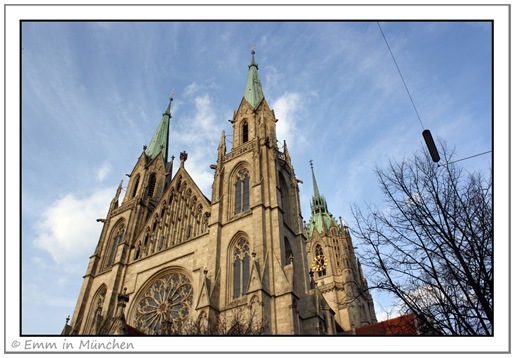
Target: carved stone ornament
x=242, y=174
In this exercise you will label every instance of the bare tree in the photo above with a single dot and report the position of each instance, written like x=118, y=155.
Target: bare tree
x=431, y=247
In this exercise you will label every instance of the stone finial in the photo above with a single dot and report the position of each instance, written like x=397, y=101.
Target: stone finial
x=312, y=282
x=123, y=298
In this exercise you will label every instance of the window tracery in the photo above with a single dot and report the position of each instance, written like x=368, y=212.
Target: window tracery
x=241, y=267
x=180, y=218
x=115, y=241
x=320, y=252
x=95, y=311
x=166, y=301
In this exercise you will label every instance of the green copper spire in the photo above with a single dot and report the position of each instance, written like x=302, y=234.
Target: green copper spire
x=316, y=194
x=159, y=142
x=318, y=203
x=253, y=91
x=321, y=219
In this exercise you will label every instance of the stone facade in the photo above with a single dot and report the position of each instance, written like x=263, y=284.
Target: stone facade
x=168, y=255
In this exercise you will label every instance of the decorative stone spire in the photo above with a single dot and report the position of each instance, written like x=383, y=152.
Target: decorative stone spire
x=318, y=203
x=159, y=142
x=321, y=219
x=221, y=146
x=286, y=153
x=253, y=90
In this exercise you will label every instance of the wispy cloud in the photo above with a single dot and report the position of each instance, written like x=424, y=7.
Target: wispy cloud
x=198, y=133
x=67, y=229
x=289, y=109
x=103, y=171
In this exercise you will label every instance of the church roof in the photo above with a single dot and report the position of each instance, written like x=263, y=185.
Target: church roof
x=159, y=142
x=398, y=326
x=253, y=90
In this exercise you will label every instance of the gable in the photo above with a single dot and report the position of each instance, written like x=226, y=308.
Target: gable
x=181, y=214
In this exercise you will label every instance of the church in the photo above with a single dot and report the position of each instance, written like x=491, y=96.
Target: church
x=170, y=257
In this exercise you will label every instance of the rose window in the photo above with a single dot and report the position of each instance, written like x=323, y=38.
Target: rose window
x=167, y=302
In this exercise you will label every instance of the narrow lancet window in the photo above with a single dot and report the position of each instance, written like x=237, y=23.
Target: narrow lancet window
x=287, y=251
x=241, y=268
x=116, y=240
x=245, y=132
x=242, y=192
x=320, y=256
x=135, y=187
x=151, y=184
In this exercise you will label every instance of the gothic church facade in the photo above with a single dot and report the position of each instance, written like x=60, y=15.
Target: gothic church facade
x=168, y=255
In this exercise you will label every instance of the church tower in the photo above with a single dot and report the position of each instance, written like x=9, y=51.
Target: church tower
x=255, y=224
x=169, y=257
x=334, y=266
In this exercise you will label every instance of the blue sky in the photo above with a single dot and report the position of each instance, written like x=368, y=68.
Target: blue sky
x=93, y=94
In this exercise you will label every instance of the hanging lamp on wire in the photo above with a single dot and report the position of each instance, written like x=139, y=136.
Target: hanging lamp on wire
x=428, y=138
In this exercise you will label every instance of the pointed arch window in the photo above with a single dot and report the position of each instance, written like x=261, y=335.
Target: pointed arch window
x=241, y=267
x=241, y=195
x=320, y=253
x=138, y=251
x=135, y=187
x=245, y=132
x=95, y=312
x=115, y=241
x=285, y=200
x=287, y=251
x=151, y=184
x=318, y=250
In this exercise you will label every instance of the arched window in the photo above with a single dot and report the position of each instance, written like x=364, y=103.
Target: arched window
x=151, y=184
x=95, y=318
x=164, y=303
x=319, y=253
x=135, y=186
x=287, y=251
x=241, y=194
x=318, y=250
x=285, y=200
x=116, y=239
x=241, y=267
x=244, y=132
x=138, y=251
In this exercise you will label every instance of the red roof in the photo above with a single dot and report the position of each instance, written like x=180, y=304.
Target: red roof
x=399, y=326
x=131, y=331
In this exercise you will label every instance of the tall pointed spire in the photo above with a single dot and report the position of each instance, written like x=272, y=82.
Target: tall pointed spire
x=316, y=194
x=253, y=90
x=159, y=142
x=318, y=203
x=321, y=219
